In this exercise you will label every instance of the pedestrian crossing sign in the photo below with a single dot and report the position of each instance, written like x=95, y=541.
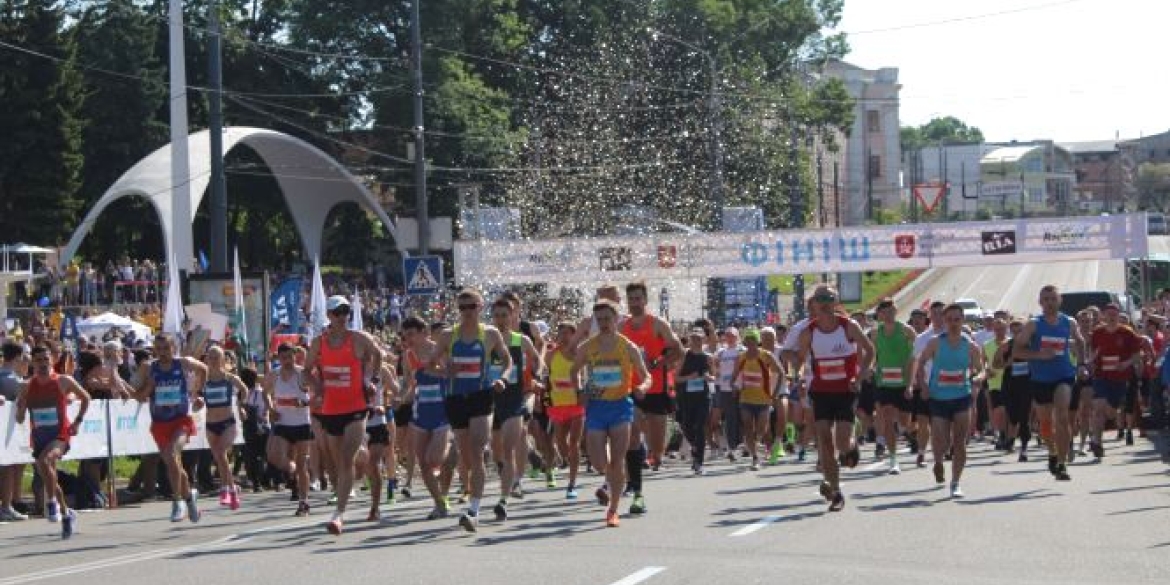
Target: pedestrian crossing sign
x=423, y=274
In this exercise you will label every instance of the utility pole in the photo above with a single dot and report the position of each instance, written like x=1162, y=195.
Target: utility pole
x=218, y=206
x=796, y=218
x=420, y=159
x=821, y=189
x=180, y=248
x=836, y=193
x=715, y=105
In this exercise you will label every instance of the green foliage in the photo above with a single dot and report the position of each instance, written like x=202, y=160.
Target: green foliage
x=946, y=130
x=1153, y=186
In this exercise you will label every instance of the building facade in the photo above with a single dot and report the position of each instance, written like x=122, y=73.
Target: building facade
x=1105, y=171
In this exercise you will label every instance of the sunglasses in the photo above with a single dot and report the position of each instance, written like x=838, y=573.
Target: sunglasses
x=825, y=298
x=468, y=307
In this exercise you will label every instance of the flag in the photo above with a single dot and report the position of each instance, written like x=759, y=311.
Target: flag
x=203, y=263
x=69, y=328
x=240, y=317
x=286, y=306
x=173, y=314
x=355, y=312
x=317, y=318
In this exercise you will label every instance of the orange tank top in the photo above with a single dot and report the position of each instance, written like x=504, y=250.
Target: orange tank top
x=653, y=346
x=341, y=374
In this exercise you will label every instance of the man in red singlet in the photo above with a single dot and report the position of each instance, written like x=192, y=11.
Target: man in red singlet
x=343, y=367
x=45, y=395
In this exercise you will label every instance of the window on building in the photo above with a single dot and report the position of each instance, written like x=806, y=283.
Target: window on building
x=875, y=166
x=873, y=121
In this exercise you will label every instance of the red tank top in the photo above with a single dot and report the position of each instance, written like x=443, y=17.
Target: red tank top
x=47, y=406
x=834, y=359
x=662, y=380
x=341, y=374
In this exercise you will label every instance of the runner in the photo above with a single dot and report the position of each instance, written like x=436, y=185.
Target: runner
x=770, y=343
x=430, y=432
x=800, y=374
x=538, y=426
x=994, y=376
x=894, y=354
x=724, y=421
x=1114, y=350
x=222, y=394
x=469, y=345
x=610, y=361
x=955, y=359
x=661, y=350
x=508, y=443
x=1045, y=342
x=919, y=408
x=344, y=366
x=1017, y=388
x=564, y=406
x=840, y=356
x=1081, y=419
x=12, y=370
x=287, y=397
x=168, y=384
x=696, y=374
x=45, y=395
x=379, y=438
x=752, y=378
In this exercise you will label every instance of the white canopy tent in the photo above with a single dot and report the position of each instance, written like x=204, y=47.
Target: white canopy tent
x=101, y=324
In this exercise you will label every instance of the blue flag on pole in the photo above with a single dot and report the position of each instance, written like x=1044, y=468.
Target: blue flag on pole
x=286, y=306
x=203, y=262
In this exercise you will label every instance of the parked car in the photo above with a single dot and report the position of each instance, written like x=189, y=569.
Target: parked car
x=972, y=312
x=1073, y=302
x=1156, y=224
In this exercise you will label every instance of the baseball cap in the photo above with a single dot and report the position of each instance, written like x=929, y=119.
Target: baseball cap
x=731, y=331
x=335, y=301
x=752, y=334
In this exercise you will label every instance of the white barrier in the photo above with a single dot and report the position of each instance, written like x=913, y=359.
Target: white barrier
x=130, y=432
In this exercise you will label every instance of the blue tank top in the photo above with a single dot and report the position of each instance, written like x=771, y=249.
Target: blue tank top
x=1057, y=338
x=217, y=393
x=429, y=411
x=949, y=369
x=170, y=400
x=468, y=364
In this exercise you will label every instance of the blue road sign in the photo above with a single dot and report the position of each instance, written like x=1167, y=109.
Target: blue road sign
x=423, y=275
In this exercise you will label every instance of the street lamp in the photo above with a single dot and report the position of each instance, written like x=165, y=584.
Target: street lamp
x=715, y=121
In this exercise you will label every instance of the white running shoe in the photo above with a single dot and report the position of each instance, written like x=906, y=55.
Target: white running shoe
x=178, y=511
x=956, y=491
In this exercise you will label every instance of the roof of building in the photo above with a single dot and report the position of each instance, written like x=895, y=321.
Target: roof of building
x=1090, y=146
x=1009, y=154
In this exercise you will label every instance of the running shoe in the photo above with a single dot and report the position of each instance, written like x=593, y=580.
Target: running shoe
x=638, y=506
x=517, y=491
x=611, y=519
x=956, y=491
x=334, y=526
x=501, y=511
x=853, y=457
x=571, y=493
x=332, y=499
x=550, y=479
x=838, y=502
x=1062, y=473
x=193, y=507
x=699, y=470
x=921, y=460
x=755, y=466
x=826, y=491
x=1023, y=458
x=375, y=514
x=302, y=509
x=224, y=498
x=439, y=512
x=234, y=499
x=1129, y=437
x=940, y=474
x=406, y=492
x=1098, y=451
x=53, y=512
x=895, y=470
x=468, y=522
x=879, y=452
x=1052, y=464
x=776, y=454
x=9, y=514
x=391, y=487
x=68, y=524
x=602, y=496
x=178, y=511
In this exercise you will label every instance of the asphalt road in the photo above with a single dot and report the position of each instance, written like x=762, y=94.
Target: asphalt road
x=1017, y=525
x=1016, y=287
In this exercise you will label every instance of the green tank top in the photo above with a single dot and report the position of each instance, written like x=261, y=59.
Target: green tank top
x=893, y=358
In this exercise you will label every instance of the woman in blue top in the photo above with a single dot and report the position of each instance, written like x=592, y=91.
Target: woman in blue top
x=954, y=360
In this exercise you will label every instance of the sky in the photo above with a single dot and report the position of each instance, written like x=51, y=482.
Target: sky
x=1068, y=70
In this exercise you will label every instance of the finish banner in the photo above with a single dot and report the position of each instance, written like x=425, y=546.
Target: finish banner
x=130, y=433
x=668, y=256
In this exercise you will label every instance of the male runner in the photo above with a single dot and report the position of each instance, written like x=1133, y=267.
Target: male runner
x=919, y=408
x=610, y=361
x=994, y=376
x=287, y=397
x=466, y=350
x=893, y=344
x=1017, y=389
x=724, y=419
x=770, y=342
x=172, y=384
x=1114, y=350
x=379, y=438
x=564, y=407
x=695, y=376
x=954, y=359
x=752, y=379
x=661, y=351
x=840, y=356
x=45, y=395
x=1045, y=342
x=508, y=444
x=344, y=369
x=431, y=433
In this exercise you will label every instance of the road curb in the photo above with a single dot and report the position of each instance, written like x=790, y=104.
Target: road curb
x=926, y=280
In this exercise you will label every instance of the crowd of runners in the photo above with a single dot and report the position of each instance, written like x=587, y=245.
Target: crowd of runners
x=593, y=402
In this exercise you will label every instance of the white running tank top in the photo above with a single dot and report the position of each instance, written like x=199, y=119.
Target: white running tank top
x=285, y=394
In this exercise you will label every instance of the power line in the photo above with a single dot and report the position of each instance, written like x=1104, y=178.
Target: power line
x=967, y=18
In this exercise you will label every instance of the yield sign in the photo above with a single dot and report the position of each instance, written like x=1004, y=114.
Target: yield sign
x=929, y=194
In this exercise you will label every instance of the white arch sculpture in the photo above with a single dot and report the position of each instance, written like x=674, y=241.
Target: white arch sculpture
x=311, y=182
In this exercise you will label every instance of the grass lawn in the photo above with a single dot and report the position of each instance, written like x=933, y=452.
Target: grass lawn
x=124, y=467
x=874, y=285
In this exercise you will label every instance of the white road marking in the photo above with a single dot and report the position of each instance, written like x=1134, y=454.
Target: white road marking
x=639, y=576
x=756, y=527
x=147, y=555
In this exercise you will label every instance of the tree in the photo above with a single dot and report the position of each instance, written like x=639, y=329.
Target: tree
x=40, y=156
x=946, y=130
x=1153, y=187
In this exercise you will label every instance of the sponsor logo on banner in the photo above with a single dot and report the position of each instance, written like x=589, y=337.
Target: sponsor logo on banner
x=616, y=258
x=905, y=245
x=667, y=256
x=560, y=256
x=999, y=243
x=1066, y=237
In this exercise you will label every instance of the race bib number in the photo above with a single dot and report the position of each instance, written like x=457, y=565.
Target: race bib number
x=1110, y=363
x=753, y=380
x=832, y=369
x=45, y=417
x=606, y=376
x=170, y=395
x=467, y=368
x=1020, y=369
x=951, y=377
x=429, y=394
x=1056, y=344
x=217, y=395
x=696, y=385
x=893, y=376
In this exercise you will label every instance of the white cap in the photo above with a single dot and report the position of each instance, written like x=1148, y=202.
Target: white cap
x=335, y=301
